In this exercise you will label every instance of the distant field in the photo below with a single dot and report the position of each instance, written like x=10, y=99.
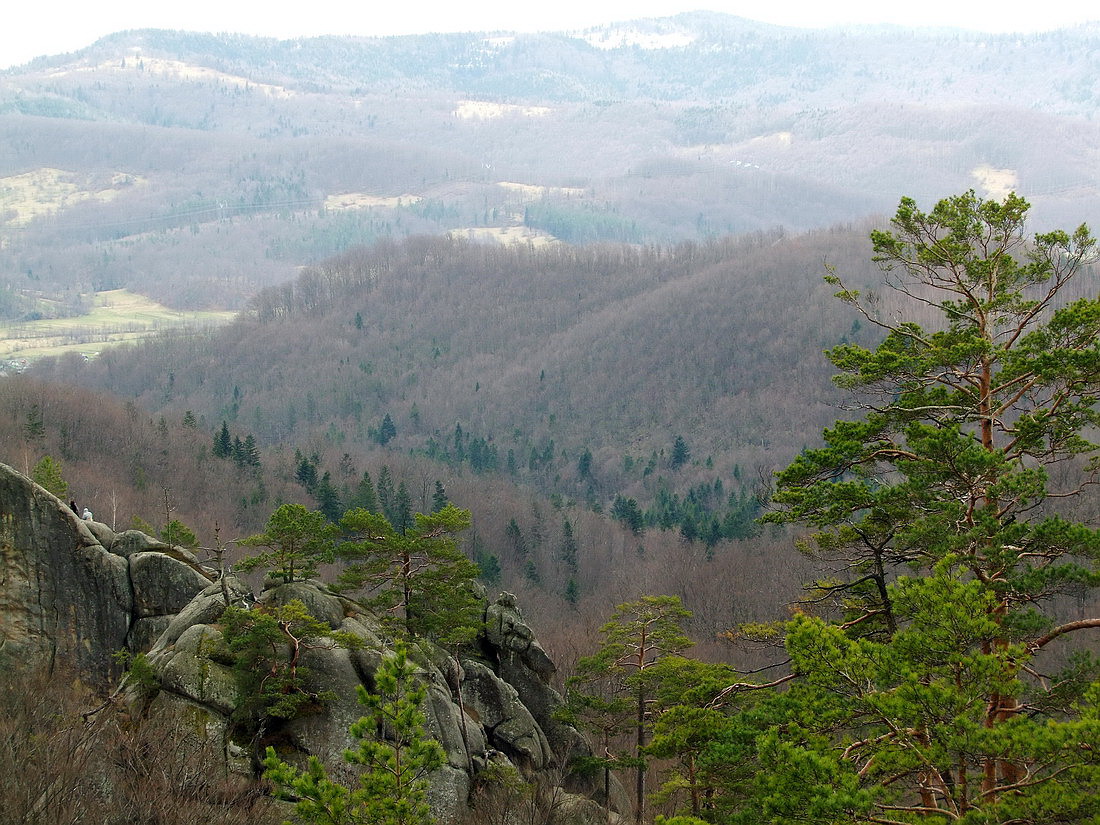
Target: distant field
x=118, y=316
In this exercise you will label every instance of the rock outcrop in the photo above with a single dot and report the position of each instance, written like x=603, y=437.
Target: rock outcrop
x=491, y=725
x=74, y=592
x=77, y=592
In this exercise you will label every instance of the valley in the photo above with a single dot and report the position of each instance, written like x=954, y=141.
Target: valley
x=131, y=163
x=799, y=498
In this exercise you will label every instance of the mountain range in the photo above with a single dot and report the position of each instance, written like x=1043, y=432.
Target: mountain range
x=197, y=169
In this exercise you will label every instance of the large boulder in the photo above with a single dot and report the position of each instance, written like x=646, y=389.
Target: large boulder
x=510, y=726
x=513, y=639
x=454, y=730
x=319, y=600
x=162, y=585
x=135, y=541
x=324, y=732
x=206, y=607
x=521, y=662
x=75, y=593
x=187, y=669
x=103, y=534
x=144, y=632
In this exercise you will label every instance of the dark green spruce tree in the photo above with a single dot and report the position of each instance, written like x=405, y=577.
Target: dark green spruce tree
x=439, y=497
x=365, y=497
x=223, y=442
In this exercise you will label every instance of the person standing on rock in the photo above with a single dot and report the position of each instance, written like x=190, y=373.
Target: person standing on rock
x=72, y=506
x=87, y=514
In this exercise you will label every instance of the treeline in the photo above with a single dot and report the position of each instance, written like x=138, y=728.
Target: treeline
x=722, y=50
x=561, y=367
x=121, y=462
x=674, y=377
x=705, y=514
x=588, y=375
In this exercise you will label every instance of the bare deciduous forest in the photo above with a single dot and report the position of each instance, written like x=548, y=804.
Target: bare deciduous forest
x=580, y=415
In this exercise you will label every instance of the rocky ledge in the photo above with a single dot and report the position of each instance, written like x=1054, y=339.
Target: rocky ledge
x=76, y=592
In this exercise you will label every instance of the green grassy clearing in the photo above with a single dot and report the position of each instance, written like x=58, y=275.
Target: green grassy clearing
x=117, y=316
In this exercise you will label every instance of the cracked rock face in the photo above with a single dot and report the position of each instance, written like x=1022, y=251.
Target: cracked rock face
x=68, y=595
x=63, y=597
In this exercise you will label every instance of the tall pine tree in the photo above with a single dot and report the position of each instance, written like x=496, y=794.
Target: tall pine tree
x=941, y=511
x=416, y=576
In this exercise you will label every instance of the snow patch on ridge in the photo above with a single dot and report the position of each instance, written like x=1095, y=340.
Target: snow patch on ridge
x=484, y=110
x=620, y=37
x=995, y=183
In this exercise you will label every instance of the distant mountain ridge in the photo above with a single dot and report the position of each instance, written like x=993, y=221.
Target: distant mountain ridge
x=197, y=169
x=691, y=57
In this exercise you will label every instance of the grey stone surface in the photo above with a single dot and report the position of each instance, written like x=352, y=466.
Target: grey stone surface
x=580, y=810
x=145, y=632
x=63, y=598
x=366, y=635
x=324, y=733
x=509, y=726
x=448, y=793
x=134, y=541
x=162, y=584
x=192, y=727
x=506, y=630
x=187, y=670
x=321, y=604
x=497, y=724
x=103, y=534
x=69, y=598
x=542, y=701
x=205, y=608
x=445, y=725
x=525, y=666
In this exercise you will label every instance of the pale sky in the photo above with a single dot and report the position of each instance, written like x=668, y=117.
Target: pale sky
x=36, y=27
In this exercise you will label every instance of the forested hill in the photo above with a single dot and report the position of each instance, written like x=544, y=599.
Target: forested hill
x=542, y=354
x=197, y=169
x=697, y=56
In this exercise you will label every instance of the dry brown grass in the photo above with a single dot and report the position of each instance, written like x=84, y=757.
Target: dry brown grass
x=60, y=764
